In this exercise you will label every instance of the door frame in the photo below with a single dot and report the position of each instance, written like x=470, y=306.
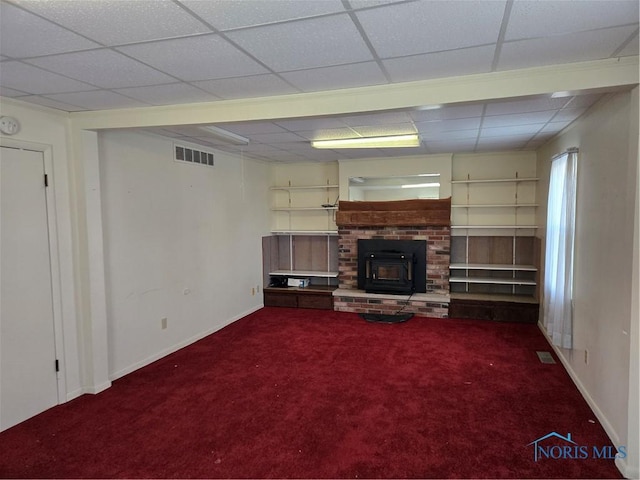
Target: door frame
x=54, y=258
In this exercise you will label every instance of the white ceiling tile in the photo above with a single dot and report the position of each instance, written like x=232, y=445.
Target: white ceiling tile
x=554, y=127
x=10, y=92
x=104, y=68
x=48, y=102
x=450, y=125
x=448, y=112
x=357, y=4
x=247, y=87
x=518, y=119
x=259, y=12
x=465, y=61
x=584, y=100
x=276, y=138
x=511, y=131
x=36, y=81
x=328, y=134
x=529, y=105
x=630, y=49
x=197, y=58
x=305, y=44
x=96, y=100
x=575, y=47
x=382, y=118
x=431, y=26
x=535, y=18
x=451, y=146
x=167, y=94
x=386, y=130
x=494, y=145
x=569, y=114
x=116, y=22
x=342, y=76
x=23, y=34
x=435, y=135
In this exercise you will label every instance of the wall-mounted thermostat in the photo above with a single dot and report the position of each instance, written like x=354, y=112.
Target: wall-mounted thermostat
x=9, y=125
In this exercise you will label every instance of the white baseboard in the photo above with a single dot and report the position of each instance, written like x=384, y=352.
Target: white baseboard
x=179, y=345
x=74, y=394
x=602, y=418
x=626, y=470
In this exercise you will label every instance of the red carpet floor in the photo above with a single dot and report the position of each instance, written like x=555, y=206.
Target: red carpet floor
x=288, y=393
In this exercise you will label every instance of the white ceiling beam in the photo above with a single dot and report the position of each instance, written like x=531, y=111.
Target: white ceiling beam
x=609, y=73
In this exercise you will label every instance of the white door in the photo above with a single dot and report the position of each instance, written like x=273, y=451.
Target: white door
x=28, y=379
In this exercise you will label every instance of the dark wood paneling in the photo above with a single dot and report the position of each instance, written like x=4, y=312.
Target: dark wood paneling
x=320, y=297
x=496, y=311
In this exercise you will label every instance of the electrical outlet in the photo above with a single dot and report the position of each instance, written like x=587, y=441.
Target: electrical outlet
x=163, y=323
x=586, y=357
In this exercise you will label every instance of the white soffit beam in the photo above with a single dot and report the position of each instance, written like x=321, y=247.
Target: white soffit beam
x=615, y=72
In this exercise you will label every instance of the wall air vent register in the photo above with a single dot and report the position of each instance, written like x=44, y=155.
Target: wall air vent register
x=190, y=155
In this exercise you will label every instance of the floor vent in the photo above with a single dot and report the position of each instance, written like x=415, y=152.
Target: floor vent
x=545, y=357
x=190, y=155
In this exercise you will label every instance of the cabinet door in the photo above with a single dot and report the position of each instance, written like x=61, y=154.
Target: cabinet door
x=324, y=302
x=280, y=300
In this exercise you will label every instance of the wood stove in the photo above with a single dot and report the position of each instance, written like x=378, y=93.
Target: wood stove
x=392, y=266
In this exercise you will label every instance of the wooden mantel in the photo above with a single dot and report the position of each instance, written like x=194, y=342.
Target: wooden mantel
x=405, y=213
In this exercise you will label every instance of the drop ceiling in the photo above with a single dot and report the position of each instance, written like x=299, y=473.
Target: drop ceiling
x=92, y=55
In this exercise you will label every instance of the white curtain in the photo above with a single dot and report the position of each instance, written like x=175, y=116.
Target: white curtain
x=558, y=276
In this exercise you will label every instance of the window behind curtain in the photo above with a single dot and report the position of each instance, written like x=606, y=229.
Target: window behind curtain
x=559, y=250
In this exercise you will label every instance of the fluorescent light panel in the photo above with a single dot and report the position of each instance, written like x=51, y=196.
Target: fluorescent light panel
x=392, y=141
x=225, y=135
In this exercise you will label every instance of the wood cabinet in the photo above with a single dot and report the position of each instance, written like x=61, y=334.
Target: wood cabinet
x=316, y=296
x=494, y=251
x=310, y=256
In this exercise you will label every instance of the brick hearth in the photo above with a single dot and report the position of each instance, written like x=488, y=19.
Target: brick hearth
x=435, y=303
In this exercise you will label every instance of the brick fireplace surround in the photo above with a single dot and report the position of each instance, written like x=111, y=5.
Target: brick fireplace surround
x=400, y=220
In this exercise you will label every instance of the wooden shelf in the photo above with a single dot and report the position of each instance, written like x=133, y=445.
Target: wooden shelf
x=495, y=180
x=512, y=205
x=492, y=280
x=299, y=209
x=304, y=273
x=304, y=187
x=494, y=297
x=493, y=266
x=492, y=227
x=304, y=232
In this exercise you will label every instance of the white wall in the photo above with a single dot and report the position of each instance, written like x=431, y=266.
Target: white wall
x=182, y=242
x=607, y=185
x=47, y=129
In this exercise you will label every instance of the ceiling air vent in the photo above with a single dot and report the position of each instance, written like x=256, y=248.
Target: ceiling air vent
x=190, y=155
